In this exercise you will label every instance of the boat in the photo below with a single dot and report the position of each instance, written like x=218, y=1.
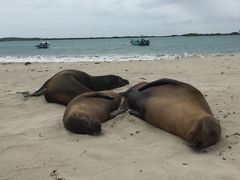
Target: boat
x=43, y=45
x=140, y=42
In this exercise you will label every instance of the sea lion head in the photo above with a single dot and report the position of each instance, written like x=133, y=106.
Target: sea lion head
x=107, y=82
x=81, y=124
x=121, y=81
x=117, y=81
x=207, y=132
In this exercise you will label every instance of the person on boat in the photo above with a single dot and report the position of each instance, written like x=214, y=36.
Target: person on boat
x=142, y=40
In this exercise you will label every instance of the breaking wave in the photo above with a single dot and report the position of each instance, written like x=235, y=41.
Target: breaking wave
x=108, y=58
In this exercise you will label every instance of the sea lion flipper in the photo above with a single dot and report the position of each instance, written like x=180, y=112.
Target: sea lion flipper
x=133, y=88
x=125, y=93
x=123, y=107
x=24, y=93
x=100, y=95
x=115, y=113
x=159, y=83
x=135, y=113
x=124, y=104
x=39, y=92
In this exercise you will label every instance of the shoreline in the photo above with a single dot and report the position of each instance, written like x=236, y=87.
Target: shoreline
x=34, y=143
x=110, y=58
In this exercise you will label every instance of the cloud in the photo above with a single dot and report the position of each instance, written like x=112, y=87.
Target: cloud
x=71, y=18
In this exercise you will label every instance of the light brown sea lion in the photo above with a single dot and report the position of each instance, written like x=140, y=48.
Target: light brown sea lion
x=67, y=84
x=85, y=113
x=176, y=107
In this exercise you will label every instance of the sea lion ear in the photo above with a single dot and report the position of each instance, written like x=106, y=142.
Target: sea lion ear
x=160, y=82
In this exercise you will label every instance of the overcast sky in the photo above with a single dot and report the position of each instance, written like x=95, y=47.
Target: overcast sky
x=79, y=18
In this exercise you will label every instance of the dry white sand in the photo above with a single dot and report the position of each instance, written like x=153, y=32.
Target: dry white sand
x=34, y=143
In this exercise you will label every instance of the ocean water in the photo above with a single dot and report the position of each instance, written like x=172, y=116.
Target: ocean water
x=118, y=49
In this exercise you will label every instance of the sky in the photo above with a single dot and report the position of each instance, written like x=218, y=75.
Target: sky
x=97, y=18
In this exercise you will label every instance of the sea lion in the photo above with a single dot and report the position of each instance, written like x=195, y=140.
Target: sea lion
x=176, y=107
x=67, y=84
x=85, y=113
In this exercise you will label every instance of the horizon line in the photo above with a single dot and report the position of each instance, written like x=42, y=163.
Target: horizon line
x=114, y=37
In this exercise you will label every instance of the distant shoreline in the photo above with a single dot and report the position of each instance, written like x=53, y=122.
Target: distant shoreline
x=116, y=37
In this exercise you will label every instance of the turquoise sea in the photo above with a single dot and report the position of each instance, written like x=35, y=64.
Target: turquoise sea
x=118, y=49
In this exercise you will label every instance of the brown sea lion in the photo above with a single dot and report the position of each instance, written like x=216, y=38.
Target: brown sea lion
x=67, y=84
x=176, y=107
x=85, y=113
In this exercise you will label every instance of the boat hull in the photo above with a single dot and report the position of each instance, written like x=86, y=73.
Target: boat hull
x=141, y=42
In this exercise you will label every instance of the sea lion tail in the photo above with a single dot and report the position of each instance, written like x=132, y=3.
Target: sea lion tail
x=39, y=92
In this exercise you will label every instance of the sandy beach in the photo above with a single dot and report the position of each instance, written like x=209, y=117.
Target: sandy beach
x=35, y=145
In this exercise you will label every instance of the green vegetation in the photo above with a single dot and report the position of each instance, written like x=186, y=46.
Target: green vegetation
x=114, y=37
x=19, y=39
x=47, y=39
x=211, y=34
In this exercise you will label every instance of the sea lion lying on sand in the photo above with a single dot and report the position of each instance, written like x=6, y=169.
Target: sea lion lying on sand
x=85, y=113
x=67, y=84
x=176, y=107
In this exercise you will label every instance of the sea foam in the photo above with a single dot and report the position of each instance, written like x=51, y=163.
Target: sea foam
x=108, y=58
